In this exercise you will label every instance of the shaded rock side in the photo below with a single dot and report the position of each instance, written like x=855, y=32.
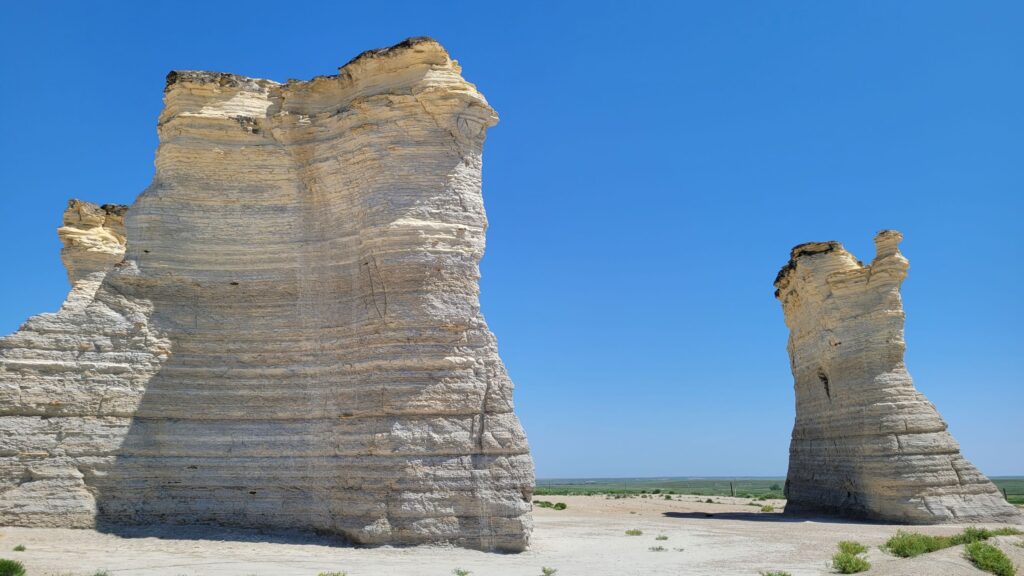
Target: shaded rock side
x=866, y=443
x=293, y=337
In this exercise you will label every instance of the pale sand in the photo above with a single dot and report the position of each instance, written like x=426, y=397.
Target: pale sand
x=586, y=539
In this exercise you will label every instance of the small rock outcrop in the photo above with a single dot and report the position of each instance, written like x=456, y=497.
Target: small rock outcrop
x=866, y=443
x=284, y=329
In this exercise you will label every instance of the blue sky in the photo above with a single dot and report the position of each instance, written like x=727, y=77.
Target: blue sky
x=653, y=166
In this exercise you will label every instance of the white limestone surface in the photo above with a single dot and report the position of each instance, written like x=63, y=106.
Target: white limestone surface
x=293, y=338
x=866, y=443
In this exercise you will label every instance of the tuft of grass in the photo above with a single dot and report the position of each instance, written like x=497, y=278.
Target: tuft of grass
x=11, y=568
x=849, y=559
x=989, y=558
x=19, y=548
x=775, y=573
x=552, y=505
x=851, y=547
x=911, y=544
x=101, y=573
x=668, y=496
x=709, y=501
x=849, y=563
x=661, y=537
x=767, y=508
x=333, y=574
x=657, y=549
x=461, y=572
x=549, y=571
x=634, y=532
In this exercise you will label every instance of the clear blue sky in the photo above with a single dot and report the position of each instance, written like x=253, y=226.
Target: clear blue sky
x=652, y=168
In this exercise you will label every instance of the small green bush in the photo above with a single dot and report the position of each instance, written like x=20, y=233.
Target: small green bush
x=709, y=501
x=101, y=573
x=910, y=544
x=634, y=532
x=661, y=537
x=461, y=572
x=11, y=568
x=560, y=506
x=775, y=488
x=767, y=508
x=668, y=496
x=989, y=558
x=851, y=547
x=657, y=549
x=19, y=548
x=775, y=573
x=333, y=574
x=549, y=571
x=849, y=563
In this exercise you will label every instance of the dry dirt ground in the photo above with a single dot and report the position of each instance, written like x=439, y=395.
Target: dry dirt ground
x=727, y=537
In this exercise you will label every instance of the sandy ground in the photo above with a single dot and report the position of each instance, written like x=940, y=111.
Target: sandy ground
x=727, y=537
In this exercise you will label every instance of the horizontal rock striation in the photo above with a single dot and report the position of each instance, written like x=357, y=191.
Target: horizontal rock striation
x=293, y=338
x=866, y=443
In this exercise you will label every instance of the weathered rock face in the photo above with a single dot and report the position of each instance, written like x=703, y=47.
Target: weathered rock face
x=866, y=443
x=293, y=338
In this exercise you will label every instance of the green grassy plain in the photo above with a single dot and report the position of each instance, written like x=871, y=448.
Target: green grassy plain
x=743, y=486
x=752, y=486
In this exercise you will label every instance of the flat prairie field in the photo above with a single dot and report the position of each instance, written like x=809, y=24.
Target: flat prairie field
x=678, y=535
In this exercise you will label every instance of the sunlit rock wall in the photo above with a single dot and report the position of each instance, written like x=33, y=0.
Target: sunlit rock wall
x=866, y=443
x=294, y=337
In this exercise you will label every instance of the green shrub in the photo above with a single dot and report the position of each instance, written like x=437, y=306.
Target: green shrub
x=910, y=544
x=549, y=571
x=461, y=572
x=767, y=508
x=989, y=558
x=709, y=501
x=775, y=488
x=560, y=506
x=11, y=568
x=634, y=532
x=851, y=547
x=101, y=573
x=849, y=563
x=661, y=537
x=657, y=549
x=668, y=496
x=19, y=548
x=333, y=574
x=775, y=573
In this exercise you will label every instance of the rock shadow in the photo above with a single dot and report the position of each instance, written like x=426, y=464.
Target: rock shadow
x=766, y=517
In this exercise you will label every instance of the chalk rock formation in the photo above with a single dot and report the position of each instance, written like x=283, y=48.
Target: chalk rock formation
x=293, y=338
x=866, y=443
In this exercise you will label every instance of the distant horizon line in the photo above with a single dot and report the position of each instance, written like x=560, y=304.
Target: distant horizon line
x=748, y=477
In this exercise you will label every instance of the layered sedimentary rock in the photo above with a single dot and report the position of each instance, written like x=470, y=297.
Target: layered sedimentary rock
x=293, y=338
x=866, y=443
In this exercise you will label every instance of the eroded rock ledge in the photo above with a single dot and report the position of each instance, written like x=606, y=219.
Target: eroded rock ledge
x=866, y=443
x=284, y=329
